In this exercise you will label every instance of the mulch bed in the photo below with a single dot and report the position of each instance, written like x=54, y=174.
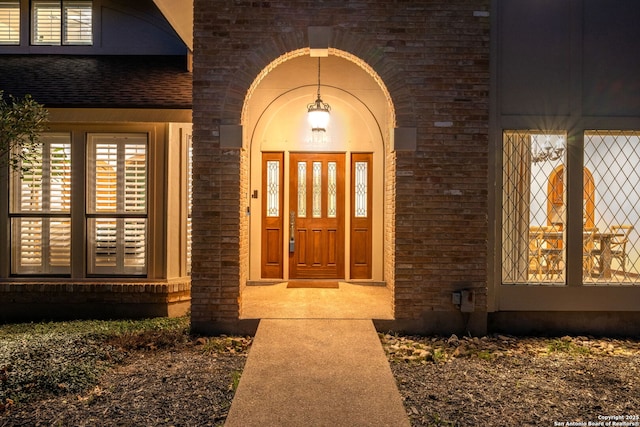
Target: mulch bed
x=178, y=387
x=491, y=381
x=504, y=381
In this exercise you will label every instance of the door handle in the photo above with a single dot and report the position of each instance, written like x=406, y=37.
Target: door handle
x=292, y=230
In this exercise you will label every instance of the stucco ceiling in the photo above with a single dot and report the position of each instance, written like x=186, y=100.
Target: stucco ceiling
x=179, y=13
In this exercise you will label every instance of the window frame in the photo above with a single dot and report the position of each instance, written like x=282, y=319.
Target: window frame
x=60, y=30
x=578, y=179
x=42, y=212
x=10, y=7
x=189, y=231
x=123, y=220
x=516, y=212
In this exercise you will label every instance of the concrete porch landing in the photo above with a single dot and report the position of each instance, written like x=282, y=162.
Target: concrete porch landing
x=350, y=301
x=322, y=372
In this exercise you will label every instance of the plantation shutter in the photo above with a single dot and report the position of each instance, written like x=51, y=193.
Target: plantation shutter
x=40, y=210
x=117, y=220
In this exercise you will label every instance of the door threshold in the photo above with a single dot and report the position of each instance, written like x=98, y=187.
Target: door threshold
x=265, y=282
x=273, y=282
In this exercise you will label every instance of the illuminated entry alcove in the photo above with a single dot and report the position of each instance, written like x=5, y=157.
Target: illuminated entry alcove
x=339, y=172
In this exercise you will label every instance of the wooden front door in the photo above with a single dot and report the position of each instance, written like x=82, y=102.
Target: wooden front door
x=316, y=216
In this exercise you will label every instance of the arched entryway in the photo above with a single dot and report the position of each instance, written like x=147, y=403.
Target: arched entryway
x=317, y=208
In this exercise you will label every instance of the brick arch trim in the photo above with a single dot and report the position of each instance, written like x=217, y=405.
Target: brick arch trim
x=370, y=58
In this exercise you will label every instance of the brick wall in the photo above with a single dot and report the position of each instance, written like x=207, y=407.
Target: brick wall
x=21, y=301
x=433, y=57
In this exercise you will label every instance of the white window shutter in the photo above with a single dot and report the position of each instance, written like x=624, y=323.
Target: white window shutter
x=77, y=23
x=46, y=22
x=40, y=210
x=10, y=22
x=117, y=192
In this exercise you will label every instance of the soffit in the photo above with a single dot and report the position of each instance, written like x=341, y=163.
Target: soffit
x=179, y=13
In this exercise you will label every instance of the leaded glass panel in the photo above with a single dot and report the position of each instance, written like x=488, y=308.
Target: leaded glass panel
x=612, y=205
x=302, y=189
x=273, y=188
x=533, y=208
x=332, y=188
x=361, y=189
x=317, y=190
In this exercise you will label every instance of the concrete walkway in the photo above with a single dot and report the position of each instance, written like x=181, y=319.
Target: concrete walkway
x=320, y=372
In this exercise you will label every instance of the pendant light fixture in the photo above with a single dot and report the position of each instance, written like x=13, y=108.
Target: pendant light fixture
x=318, y=112
x=548, y=151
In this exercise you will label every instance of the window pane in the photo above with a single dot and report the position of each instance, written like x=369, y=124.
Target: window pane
x=78, y=23
x=27, y=242
x=273, y=188
x=59, y=242
x=332, y=188
x=30, y=191
x=45, y=184
x=46, y=17
x=612, y=206
x=41, y=245
x=534, y=208
x=118, y=174
x=10, y=22
x=104, y=243
x=117, y=246
x=302, y=189
x=135, y=244
x=361, y=189
x=317, y=190
x=135, y=179
x=117, y=185
x=60, y=177
x=105, y=189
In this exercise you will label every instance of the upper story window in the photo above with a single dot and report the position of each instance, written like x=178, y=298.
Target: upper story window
x=10, y=22
x=61, y=22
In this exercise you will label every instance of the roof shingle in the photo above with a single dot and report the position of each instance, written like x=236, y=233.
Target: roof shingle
x=59, y=81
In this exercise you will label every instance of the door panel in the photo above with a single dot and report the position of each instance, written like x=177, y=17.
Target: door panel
x=274, y=246
x=272, y=215
x=361, y=216
x=316, y=185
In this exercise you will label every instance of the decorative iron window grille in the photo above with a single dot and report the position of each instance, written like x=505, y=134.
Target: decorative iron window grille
x=535, y=216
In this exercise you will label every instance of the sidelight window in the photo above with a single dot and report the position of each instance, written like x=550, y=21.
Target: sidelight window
x=273, y=188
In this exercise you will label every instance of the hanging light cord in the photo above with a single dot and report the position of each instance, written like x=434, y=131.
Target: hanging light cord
x=318, y=105
x=318, y=78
